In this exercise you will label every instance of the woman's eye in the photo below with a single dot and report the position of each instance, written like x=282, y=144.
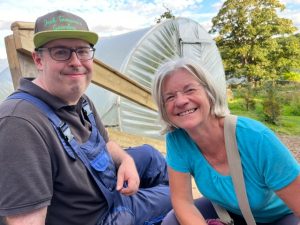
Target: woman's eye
x=169, y=98
x=189, y=91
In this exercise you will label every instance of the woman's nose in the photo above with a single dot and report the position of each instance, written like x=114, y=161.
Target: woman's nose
x=181, y=99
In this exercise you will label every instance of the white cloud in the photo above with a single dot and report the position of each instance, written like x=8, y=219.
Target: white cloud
x=109, y=17
x=290, y=1
x=218, y=5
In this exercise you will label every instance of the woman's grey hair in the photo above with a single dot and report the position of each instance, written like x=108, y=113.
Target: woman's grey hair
x=215, y=92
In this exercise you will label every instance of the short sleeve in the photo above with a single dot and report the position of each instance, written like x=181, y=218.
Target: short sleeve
x=25, y=164
x=176, y=157
x=278, y=165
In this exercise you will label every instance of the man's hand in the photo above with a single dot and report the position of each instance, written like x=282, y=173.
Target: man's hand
x=128, y=178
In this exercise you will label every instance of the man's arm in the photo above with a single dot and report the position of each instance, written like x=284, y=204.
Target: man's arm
x=127, y=172
x=36, y=217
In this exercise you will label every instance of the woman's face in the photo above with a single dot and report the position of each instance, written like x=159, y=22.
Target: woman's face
x=185, y=100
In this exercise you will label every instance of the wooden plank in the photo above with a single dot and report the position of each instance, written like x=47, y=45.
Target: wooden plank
x=118, y=83
x=13, y=60
x=103, y=76
x=23, y=34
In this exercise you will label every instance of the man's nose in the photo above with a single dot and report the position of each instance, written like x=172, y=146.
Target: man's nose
x=74, y=60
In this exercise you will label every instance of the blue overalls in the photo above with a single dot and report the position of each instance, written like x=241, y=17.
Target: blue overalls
x=149, y=205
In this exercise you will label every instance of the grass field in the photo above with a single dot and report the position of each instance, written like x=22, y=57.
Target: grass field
x=289, y=103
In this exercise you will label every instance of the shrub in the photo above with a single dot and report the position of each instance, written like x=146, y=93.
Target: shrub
x=248, y=92
x=271, y=103
x=292, y=76
x=295, y=105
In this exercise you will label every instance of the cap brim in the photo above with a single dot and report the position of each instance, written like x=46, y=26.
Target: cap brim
x=42, y=38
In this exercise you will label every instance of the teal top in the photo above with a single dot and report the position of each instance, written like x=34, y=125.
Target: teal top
x=267, y=166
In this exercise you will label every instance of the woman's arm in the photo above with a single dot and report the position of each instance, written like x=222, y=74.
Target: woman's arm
x=182, y=199
x=291, y=196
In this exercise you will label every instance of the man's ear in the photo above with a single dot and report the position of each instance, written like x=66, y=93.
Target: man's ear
x=37, y=58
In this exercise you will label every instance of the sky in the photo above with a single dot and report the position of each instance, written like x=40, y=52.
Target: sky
x=112, y=17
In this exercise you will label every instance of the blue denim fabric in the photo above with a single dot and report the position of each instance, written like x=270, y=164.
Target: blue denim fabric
x=208, y=212
x=152, y=202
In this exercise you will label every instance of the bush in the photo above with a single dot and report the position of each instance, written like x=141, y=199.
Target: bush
x=292, y=76
x=287, y=97
x=271, y=103
x=295, y=106
x=290, y=99
x=248, y=92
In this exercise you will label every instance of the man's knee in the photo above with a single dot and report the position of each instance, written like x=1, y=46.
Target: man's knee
x=150, y=164
x=146, y=155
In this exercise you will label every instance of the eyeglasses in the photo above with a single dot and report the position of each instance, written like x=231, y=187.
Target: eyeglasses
x=64, y=54
x=187, y=91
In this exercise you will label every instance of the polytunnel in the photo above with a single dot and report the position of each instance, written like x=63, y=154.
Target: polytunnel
x=137, y=55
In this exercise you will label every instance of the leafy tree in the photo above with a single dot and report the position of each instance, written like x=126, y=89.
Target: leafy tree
x=286, y=58
x=166, y=15
x=247, y=32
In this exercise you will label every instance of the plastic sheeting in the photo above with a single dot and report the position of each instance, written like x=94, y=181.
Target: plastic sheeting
x=137, y=55
x=6, y=85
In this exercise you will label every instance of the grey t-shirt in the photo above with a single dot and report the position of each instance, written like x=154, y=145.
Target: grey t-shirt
x=35, y=170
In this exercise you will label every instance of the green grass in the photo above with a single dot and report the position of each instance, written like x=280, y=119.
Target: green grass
x=287, y=124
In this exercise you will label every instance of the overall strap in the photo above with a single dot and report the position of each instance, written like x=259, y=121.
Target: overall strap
x=61, y=127
x=88, y=112
x=67, y=139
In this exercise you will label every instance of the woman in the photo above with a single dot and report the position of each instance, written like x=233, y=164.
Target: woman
x=192, y=107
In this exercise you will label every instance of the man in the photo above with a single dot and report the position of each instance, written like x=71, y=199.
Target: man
x=57, y=163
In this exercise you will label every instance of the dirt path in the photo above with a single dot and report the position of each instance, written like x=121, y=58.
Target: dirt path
x=293, y=143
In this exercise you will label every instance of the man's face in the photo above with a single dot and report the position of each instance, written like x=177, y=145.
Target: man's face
x=67, y=79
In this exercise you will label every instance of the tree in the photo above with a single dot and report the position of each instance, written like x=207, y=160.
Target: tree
x=166, y=15
x=247, y=32
x=286, y=58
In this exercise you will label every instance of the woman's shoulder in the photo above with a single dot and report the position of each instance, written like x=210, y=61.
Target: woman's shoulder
x=251, y=125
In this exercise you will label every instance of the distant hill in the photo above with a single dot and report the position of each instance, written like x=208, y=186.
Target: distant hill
x=3, y=64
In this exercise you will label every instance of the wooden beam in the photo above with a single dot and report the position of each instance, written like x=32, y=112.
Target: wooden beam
x=103, y=76
x=23, y=35
x=13, y=60
x=118, y=83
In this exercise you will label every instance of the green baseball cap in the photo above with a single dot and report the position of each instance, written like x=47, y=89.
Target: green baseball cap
x=60, y=24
